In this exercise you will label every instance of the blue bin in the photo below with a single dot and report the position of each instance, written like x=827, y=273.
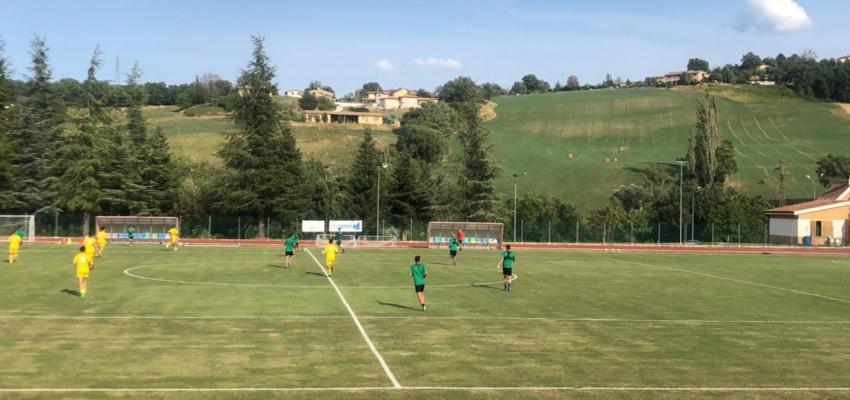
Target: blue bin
x=807, y=240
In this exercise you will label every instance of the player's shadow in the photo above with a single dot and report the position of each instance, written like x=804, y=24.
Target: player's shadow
x=276, y=266
x=315, y=273
x=480, y=286
x=71, y=292
x=396, y=305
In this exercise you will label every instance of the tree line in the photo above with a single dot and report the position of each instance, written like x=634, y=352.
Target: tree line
x=80, y=156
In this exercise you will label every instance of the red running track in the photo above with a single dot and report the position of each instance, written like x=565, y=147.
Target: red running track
x=716, y=248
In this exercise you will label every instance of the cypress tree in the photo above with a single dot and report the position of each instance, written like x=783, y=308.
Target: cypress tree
x=87, y=157
x=159, y=174
x=138, y=192
x=266, y=176
x=7, y=176
x=478, y=200
x=361, y=185
x=37, y=135
x=409, y=196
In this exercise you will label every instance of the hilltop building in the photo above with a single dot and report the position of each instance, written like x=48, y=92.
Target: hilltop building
x=294, y=93
x=674, y=78
x=822, y=221
x=396, y=99
x=321, y=93
x=844, y=59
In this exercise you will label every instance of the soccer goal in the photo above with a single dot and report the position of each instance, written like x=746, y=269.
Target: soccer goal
x=151, y=230
x=24, y=225
x=348, y=240
x=486, y=235
x=377, y=240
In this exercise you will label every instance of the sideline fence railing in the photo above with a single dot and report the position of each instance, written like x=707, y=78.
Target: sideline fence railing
x=572, y=231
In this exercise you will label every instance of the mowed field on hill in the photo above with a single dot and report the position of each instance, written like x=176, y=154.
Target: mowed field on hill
x=199, y=138
x=583, y=145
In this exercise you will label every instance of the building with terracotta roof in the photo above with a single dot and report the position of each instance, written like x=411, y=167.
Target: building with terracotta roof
x=844, y=59
x=825, y=220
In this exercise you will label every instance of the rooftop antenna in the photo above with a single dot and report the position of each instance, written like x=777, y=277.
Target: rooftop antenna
x=117, y=79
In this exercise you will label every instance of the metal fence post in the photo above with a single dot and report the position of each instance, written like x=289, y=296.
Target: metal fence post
x=522, y=230
x=209, y=226
x=238, y=228
x=550, y=231
x=604, y=231
x=577, y=232
x=632, y=231
x=659, y=233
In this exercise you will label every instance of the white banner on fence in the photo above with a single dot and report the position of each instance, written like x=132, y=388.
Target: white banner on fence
x=347, y=226
x=313, y=226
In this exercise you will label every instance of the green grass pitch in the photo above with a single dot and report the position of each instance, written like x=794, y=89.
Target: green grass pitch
x=586, y=325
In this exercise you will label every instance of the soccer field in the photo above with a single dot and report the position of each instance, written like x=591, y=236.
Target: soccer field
x=232, y=323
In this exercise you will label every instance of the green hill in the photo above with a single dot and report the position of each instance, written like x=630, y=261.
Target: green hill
x=198, y=138
x=583, y=145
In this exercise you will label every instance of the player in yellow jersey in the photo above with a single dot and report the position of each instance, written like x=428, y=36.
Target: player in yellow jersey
x=89, y=243
x=330, y=252
x=83, y=263
x=101, y=241
x=14, y=246
x=174, y=235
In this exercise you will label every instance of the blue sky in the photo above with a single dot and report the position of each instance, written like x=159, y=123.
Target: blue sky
x=418, y=43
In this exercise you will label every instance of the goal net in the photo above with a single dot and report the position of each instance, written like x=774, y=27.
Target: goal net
x=24, y=225
x=325, y=238
x=143, y=229
x=377, y=240
x=485, y=235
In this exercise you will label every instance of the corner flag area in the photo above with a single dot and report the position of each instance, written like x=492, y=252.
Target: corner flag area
x=233, y=323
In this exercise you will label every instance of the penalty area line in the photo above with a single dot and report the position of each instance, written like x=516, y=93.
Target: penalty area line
x=362, y=330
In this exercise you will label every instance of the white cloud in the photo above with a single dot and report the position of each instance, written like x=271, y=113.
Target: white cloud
x=447, y=63
x=384, y=65
x=775, y=15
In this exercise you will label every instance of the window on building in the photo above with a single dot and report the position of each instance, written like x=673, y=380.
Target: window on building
x=818, y=229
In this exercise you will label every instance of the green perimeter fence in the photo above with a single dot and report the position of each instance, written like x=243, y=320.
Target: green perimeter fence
x=230, y=227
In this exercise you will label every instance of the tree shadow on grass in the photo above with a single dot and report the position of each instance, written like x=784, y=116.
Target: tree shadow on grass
x=71, y=292
x=396, y=305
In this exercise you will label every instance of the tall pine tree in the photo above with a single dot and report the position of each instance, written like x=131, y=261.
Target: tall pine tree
x=37, y=135
x=266, y=176
x=84, y=186
x=361, y=185
x=7, y=112
x=409, y=195
x=714, y=157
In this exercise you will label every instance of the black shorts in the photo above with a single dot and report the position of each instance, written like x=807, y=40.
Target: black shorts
x=338, y=242
x=290, y=253
x=419, y=288
x=452, y=253
x=507, y=271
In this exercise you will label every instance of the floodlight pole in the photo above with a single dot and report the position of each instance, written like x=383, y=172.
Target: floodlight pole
x=515, y=199
x=681, y=162
x=693, y=213
x=378, y=222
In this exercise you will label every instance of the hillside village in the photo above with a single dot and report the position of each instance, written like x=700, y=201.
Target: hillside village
x=368, y=110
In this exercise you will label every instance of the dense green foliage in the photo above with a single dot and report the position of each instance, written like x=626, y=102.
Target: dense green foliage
x=263, y=163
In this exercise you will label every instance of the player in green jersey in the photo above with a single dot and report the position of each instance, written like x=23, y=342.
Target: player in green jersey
x=506, y=263
x=289, y=244
x=453, y=247
x=418, y=272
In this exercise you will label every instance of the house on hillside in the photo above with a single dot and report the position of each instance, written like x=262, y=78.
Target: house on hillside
x=321, y=93
x=844, y=59
x=674, y=78
x=396, y=99
x=294, y=93
x=762, y=80
x=825, y=220
x=343, y=117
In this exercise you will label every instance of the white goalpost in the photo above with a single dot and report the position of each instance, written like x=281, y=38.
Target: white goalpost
x=150, y=230
x=24, y=225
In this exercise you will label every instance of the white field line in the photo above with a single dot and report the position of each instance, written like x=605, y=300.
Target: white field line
x=433, y=388
x=268, y=285
x=802, y=292
x=362, y=330
x=691, y=321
